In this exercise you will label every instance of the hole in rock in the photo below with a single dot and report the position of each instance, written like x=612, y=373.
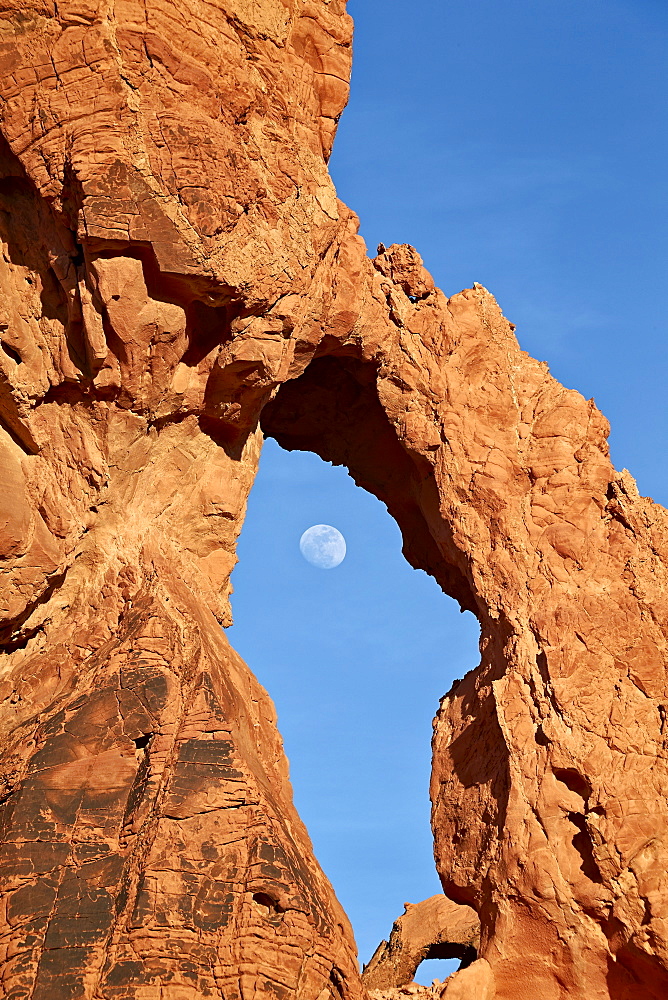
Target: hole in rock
x=207, y=327
x=338, y=982
x=436, y=968
x=266, y=903
x=573, y=780
x=441, y=960
x=583, y=845
x=143, y=741
x=11, y=352
x=356, y=659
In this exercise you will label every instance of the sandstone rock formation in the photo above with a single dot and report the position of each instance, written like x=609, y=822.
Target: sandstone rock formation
x=434, y=928
x=474, y=982
x=177, y=278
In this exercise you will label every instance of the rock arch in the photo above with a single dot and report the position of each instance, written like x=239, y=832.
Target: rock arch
x=436, y=928
x=176, y=272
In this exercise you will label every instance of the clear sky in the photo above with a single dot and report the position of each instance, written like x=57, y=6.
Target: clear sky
x=524, y=146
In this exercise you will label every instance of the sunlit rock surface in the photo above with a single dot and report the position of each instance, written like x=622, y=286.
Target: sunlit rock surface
x=436, y=928
x=177, y=277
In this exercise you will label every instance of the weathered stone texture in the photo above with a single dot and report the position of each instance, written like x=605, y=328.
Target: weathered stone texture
x=176, y=278
x=435, y=928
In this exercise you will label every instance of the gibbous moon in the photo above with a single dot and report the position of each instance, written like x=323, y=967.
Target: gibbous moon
x=323, y=546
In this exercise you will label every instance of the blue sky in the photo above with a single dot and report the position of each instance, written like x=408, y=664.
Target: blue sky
x=522, y=145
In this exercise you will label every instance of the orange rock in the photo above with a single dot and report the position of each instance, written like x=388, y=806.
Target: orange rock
x=177, y=276
x=435, y=928
x=476, y=982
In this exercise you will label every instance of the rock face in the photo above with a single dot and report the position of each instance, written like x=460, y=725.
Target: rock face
x=177, y=277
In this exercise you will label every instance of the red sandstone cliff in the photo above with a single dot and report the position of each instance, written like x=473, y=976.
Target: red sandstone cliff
x=177, y=278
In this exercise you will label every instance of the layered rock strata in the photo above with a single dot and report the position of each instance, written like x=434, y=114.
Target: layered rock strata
x=177, y=277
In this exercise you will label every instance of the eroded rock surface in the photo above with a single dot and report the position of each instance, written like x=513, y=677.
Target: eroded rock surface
x=473, y=982
x=177, y=277
x=434, y=928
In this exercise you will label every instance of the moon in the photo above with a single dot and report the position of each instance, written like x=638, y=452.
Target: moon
x=323, y=546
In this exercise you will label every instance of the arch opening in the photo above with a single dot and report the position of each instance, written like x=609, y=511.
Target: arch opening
x=355, y=698
x=333, y=410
